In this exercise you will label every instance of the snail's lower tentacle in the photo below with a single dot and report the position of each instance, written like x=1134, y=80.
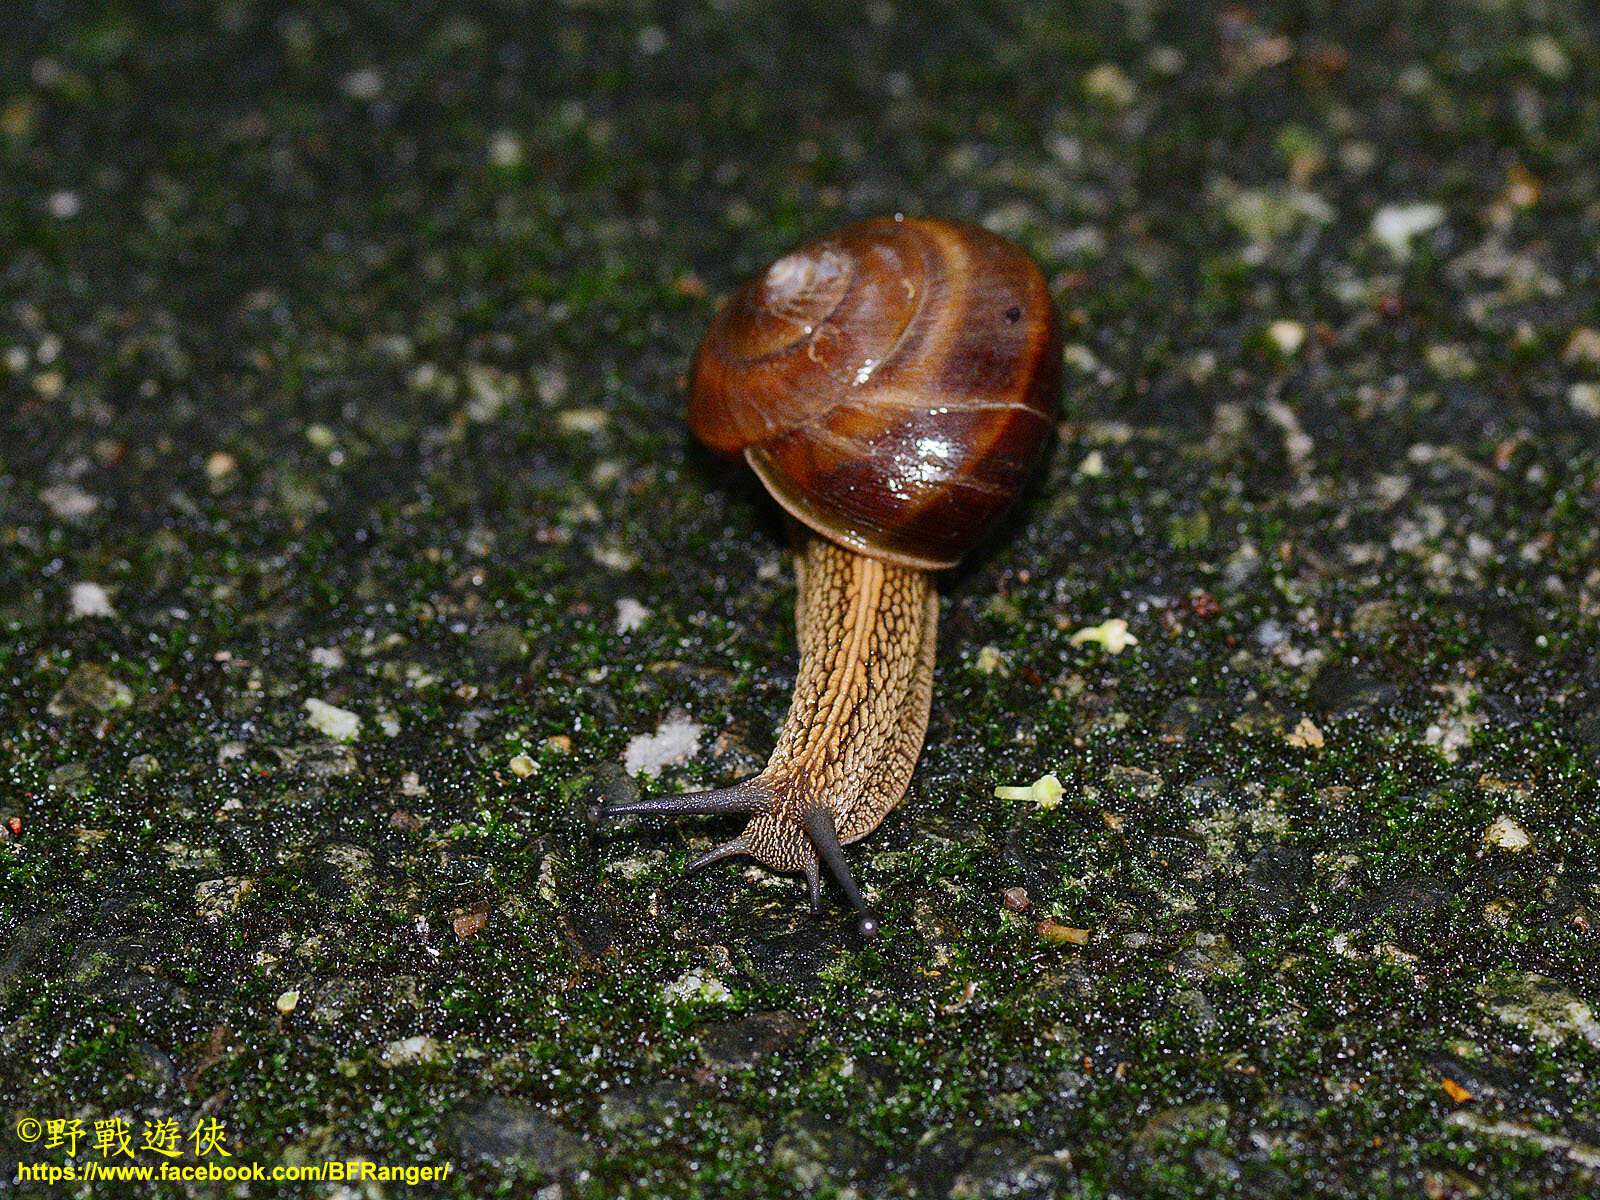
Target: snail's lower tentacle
x=739, y=845
x=813, y=869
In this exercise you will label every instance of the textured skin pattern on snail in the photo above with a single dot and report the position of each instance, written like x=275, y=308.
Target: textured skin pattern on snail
x=860, y=702
x=892, y=384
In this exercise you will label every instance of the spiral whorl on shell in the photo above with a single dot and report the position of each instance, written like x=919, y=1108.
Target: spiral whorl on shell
x=892, y=384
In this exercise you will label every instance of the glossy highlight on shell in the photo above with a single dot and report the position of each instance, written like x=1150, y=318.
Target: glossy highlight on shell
x=892, y=384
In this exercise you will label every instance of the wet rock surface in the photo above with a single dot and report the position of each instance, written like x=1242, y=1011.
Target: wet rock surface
x=352, y=548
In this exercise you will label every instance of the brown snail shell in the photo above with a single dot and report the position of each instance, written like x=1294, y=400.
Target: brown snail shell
x=892, y=384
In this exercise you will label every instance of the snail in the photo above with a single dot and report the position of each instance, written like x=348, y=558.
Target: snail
x=892, y=384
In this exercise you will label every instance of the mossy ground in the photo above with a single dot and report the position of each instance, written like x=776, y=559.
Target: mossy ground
x=340, y=357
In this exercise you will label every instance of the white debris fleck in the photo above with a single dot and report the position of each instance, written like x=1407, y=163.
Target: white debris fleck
x=636, y=867
x=1287, y=336
x=1539, y=1005
x=1450, y=360
x=1110, y=83
x=1093, y=465
x=1395, y=225
x=1112, y=636
x=1582, y=347
x=1080, y=358
x=287, y=1001
x=489, y=392
x=630, y=614
x=545, y=885
x=696, y=987
x=329, y=658
x=614, y=557
x=420, y=1048
x=864, y=371
x=1505, y=834
x=363, y=84
x=1296, y=442
x=68, y=501
x=91, y=600
x=1306, y=735
x=338, y=723
x=989, y=659
x=550, y=384
x=505, y=149
x=1452, y=733
x=64, y=205
x=1046, y=792
x=672, y=742
x=1585, y=398
x=1548, y=57
x=1202, y=365
x=582, y=420
x=522, y=766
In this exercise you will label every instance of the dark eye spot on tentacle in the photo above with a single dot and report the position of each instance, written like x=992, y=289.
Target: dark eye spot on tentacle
x=1014, y=314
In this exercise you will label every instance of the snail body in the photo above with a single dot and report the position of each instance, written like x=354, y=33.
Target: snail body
x=892, y=384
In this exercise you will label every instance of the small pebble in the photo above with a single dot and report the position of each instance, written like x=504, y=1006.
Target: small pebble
x=91, y=600
x=672, y=742
x=64, y=205
x=68, y=501
x=338, y=723
x=1395, y=225
x=1287, y=336
x=1053, y=931
x=420, y=1048
x=363, y=84
x=329, y=658
x=696, y=987
x=1110, y=83
x=630, y=614
x=1306, y=735
x=1112, y=636
x=505, y=149
x=1505, y=834
x=582, y=420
